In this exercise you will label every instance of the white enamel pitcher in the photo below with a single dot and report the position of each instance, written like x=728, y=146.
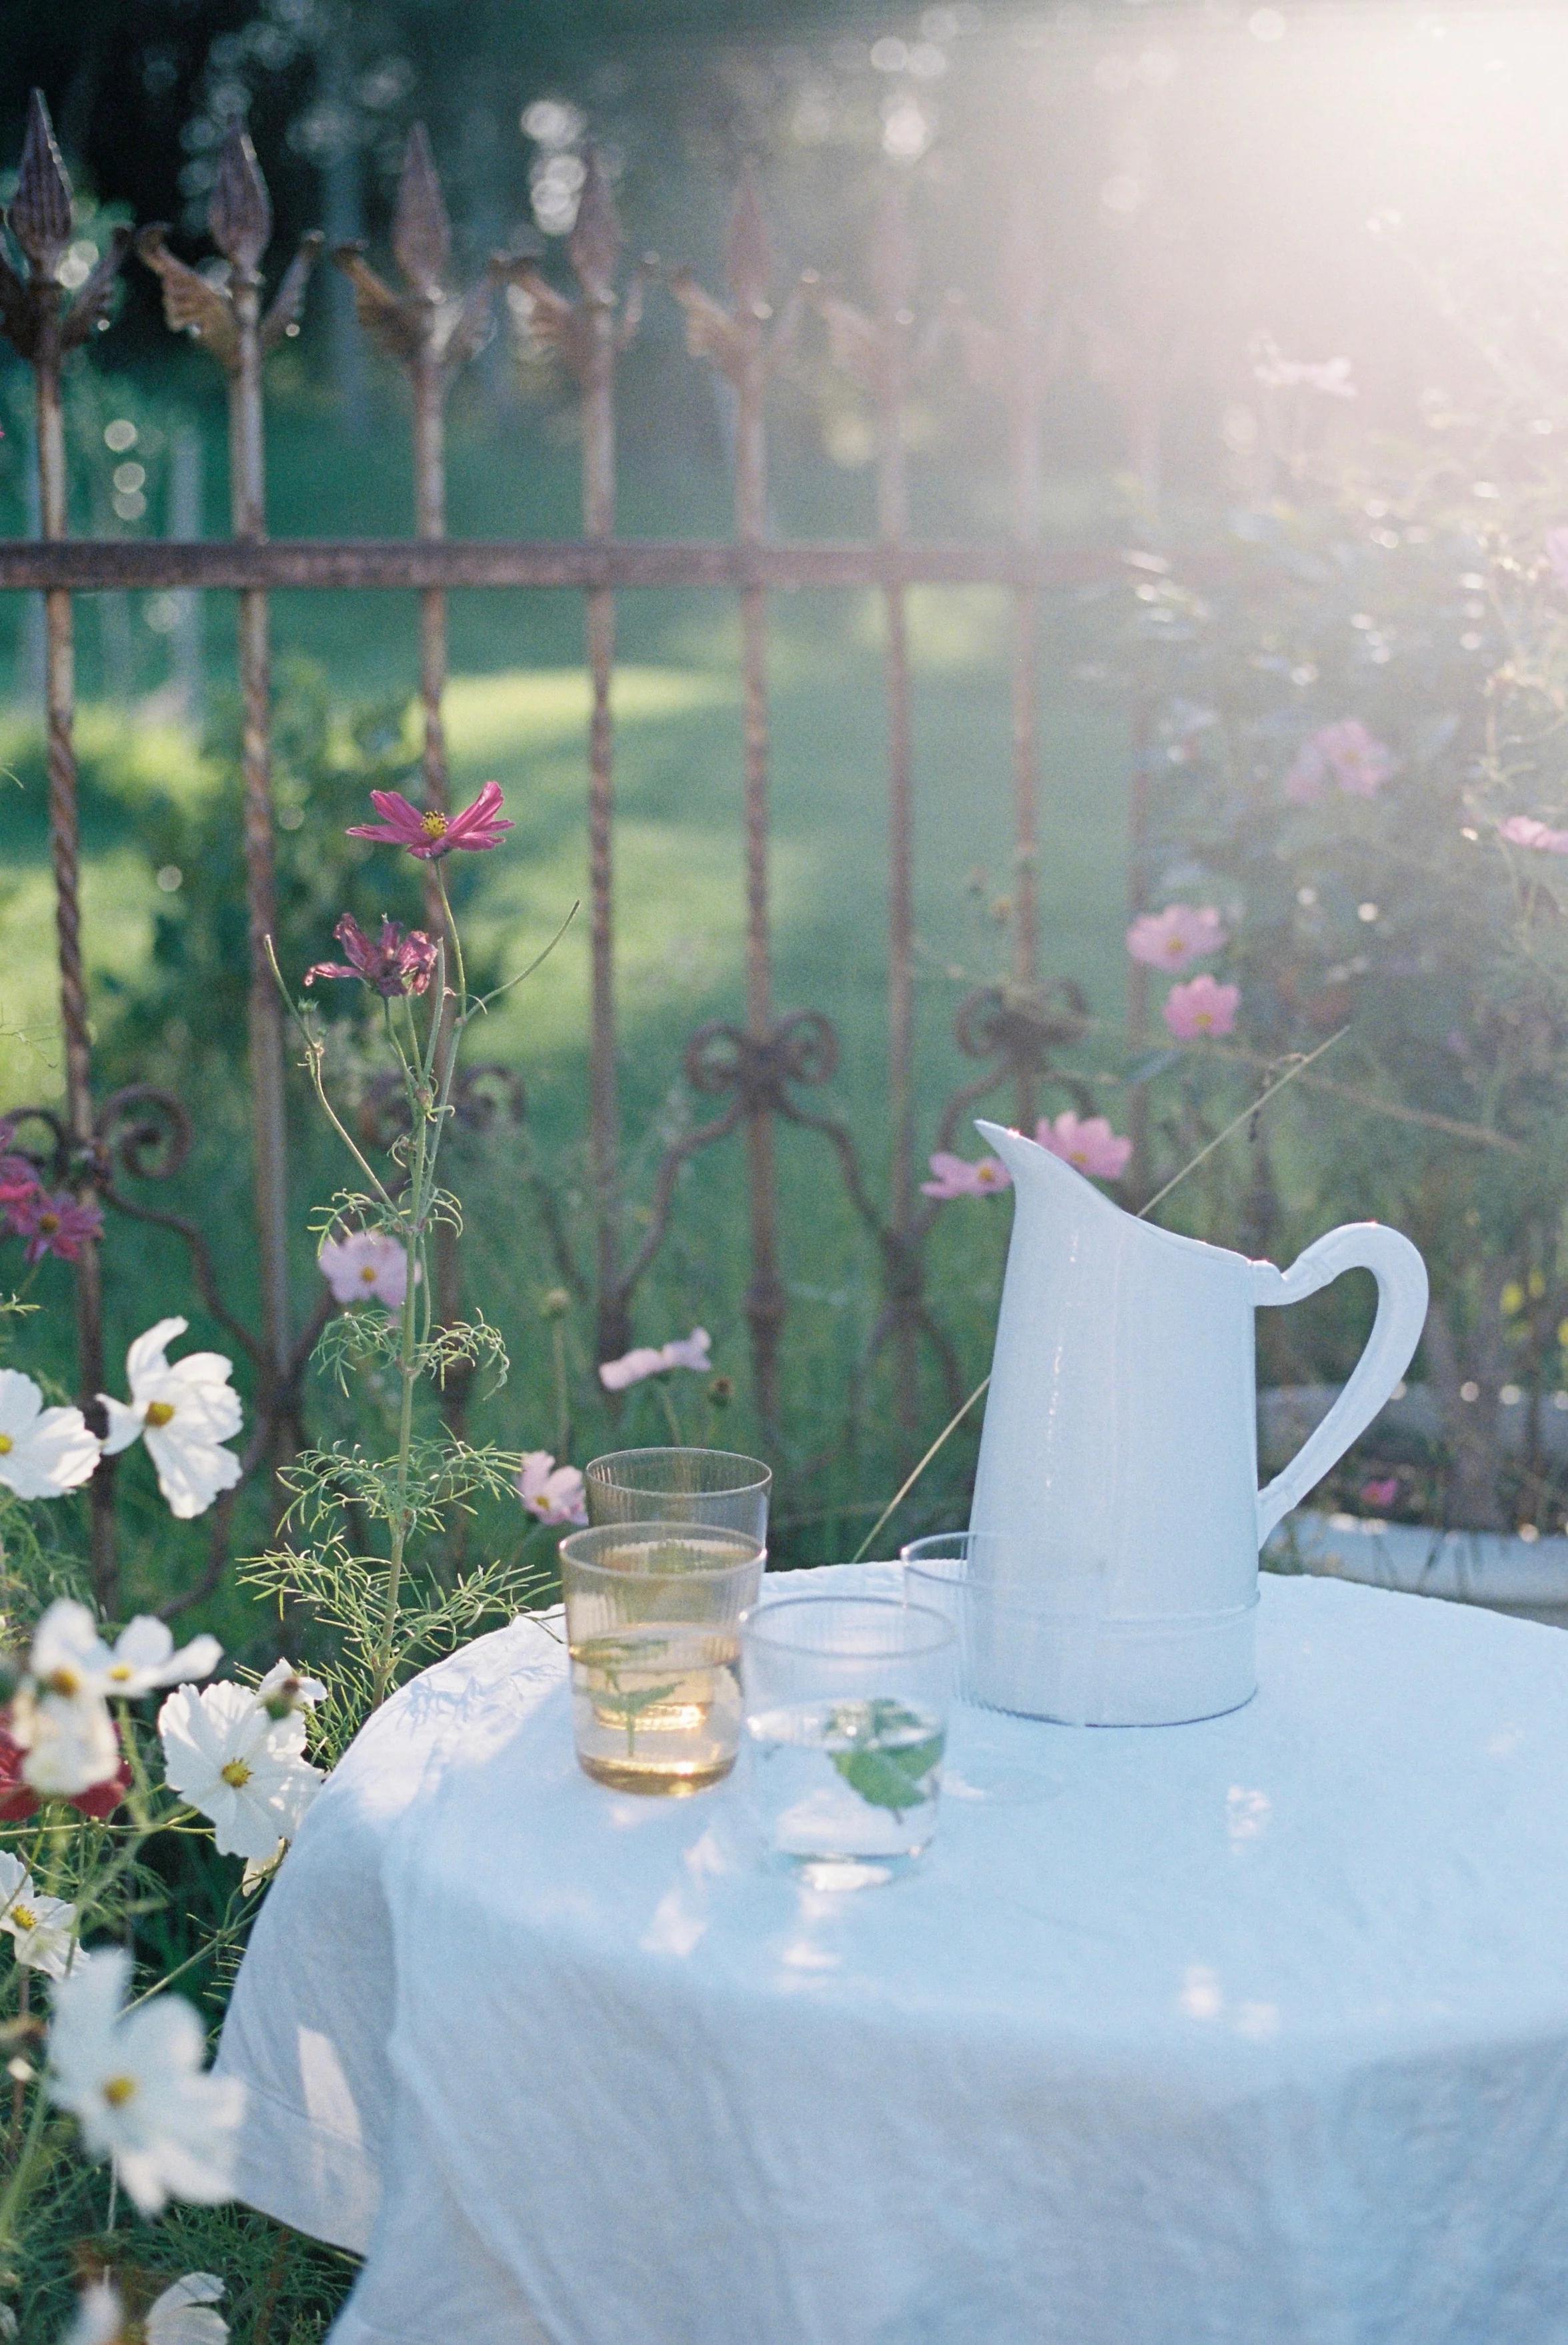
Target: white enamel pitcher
x=1116, y=1507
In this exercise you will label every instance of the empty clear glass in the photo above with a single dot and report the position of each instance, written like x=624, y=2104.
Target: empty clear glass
x=846, y=1703
x=653, y=1625
x=681, y=1485
x=1035, y=1658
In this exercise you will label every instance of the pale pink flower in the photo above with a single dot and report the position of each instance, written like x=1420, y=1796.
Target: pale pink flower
x=1345, y=754
x=1381, y=1494
x=364, y=1264
x=1176, y=937
x=1523, y=830
x=1557, y=554
x=1088, y=1142
x=646, y=1360
x=1200, y=1008
x=554, y=1493
x=957, y=1177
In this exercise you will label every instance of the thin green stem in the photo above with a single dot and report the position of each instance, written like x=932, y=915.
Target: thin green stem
x=899, y=1496
x=1299, y=1067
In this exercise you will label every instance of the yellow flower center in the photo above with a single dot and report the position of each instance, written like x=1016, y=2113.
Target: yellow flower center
x=48, y=1224
x=433, y=825
x=118, y=2090
x=236, y=1775
x=1176, y=947
x=65, y=1682
x=24, y=1917
x=1077, y=1156
x=121, y=1671
x=159, y=1412
x=6, y=1445
x=369, y=1273
x=1203, y=1018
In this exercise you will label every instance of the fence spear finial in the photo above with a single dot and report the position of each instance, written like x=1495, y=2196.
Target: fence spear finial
x=421, y=231
x=596, y=238
x=239, y=216
x=748, y=260
x=40, y=210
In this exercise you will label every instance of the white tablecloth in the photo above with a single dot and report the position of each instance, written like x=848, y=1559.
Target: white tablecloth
x=1256, y=2031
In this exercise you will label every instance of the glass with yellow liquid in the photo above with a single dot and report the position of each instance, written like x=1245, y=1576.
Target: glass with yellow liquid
x=653, y=1626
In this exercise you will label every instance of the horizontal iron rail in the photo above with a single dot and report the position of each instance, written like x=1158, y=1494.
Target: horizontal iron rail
x=83, y=564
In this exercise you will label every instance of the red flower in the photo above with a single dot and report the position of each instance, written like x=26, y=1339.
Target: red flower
x=429, y=834
x=56, y=1225
x=18, y=1800
x=394, y=964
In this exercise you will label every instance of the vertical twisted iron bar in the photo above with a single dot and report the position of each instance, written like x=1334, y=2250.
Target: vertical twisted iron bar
x=248, y=513
x=1141, y=1172
x=893, y=264
x=595, y=244
x=1025, y=295
x=748, y=271
x=38, y=321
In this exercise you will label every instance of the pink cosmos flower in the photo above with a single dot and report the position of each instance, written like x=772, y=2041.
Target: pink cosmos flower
x=1201, y=1007
x=1523, y=830
x=554, y=1493
x=19, y=1183
x=1383, y=1493
x=427, y=834
x=1090, y=1144
x=646, y=1360
x=57, y=1225
x=1557, y=554
x=1176, y=937
x=1345, y=754
x=394, y=964
x=957, y=1177
x=364, y=1264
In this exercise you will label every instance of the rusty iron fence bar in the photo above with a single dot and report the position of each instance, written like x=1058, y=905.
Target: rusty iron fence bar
x=1015, y=1029
x=397, y=564
x=229, y=321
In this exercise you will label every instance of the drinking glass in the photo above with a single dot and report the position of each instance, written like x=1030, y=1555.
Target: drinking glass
x=681, y=1485
x=653, y=1627
x=847, y=1719
x=1014, y=1653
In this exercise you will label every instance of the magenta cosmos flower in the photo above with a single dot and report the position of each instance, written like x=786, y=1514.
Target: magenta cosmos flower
x=396, y=963
x=955, y=1176
x=429, y=834
x=59, y=1225
x=1523, y=830
x=366, y=1263
x=1176, y=937
x=1200, y=1008
x=554, y=1493
x=646, y=1360
x=1088, y=1142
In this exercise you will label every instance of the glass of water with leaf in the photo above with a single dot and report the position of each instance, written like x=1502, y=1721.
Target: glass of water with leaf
x=653, y=1626
x=847, y=1700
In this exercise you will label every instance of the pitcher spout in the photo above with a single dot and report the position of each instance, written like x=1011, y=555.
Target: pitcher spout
x=1036, y=1168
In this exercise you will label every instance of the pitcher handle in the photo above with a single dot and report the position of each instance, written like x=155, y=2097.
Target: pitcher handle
x=1401, y=1281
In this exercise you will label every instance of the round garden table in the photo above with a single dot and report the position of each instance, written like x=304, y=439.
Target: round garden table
x=1255, y=2030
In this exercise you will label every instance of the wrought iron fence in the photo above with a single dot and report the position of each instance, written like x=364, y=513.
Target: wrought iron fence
x=759, y=1073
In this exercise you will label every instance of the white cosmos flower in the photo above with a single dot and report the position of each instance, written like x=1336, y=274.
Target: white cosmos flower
x=43, y=1452
x=182, y=2315
x=185, y=1414
x=134, y=2082
x=247, y=1773
x=283, y=1688
x=67, y=1740
x=69, y=1655
x=44, y=1928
